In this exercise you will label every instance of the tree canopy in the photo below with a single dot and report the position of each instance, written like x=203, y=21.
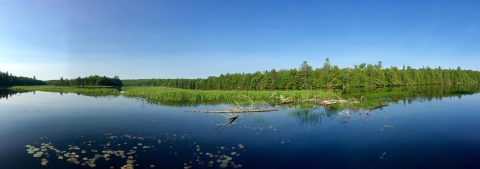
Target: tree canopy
x=87, y=81
x=328, y=76
x=7, y=80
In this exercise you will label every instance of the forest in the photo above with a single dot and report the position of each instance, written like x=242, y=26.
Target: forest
x=7, y=80
x=326, y=77
x=87, y=81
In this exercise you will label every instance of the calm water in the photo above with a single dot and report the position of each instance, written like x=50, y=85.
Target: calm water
x=437, y=133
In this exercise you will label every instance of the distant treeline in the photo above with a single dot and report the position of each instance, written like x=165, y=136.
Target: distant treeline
x=87, y=81
x=7, y=80
x=305, y=77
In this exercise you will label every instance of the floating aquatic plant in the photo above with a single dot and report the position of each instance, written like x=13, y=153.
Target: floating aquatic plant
x=74, y=155
x=38, y=154
x=44, y=163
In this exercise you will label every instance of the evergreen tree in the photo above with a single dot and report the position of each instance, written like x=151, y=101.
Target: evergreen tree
x=362, y=75
x=303, y=76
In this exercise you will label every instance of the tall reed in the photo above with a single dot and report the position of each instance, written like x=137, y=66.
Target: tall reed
x=184, y=95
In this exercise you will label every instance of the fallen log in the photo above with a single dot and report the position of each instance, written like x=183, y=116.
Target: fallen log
x=232, y=111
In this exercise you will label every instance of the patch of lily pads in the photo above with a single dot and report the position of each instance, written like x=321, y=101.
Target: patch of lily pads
x=88, y=153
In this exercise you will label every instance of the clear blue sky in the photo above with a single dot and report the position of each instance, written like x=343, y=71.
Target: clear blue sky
x=197, y=39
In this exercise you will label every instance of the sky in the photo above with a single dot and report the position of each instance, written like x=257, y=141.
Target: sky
x=196, y=39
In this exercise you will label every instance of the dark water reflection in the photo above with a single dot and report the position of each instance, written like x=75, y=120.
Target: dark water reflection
x=427, y=91
x=6, y=93
x=413, y=132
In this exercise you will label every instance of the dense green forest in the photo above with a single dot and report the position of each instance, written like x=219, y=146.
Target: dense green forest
x=7, y=80
x=87, y=81
x=328, y=76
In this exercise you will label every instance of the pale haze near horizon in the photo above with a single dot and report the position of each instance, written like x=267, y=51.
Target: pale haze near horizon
x=197, y=39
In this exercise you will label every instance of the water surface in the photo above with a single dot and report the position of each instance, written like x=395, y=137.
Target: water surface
x=416, y=133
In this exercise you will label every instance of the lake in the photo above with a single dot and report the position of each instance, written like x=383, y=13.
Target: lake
x=63, y=129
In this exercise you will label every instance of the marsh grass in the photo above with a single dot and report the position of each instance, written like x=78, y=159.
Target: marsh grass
x=163, y=94
x=185, y=97
x=88, y=91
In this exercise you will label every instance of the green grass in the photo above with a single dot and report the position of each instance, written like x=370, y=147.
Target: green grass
x=163, y=94
x=185, y=97
x=91, y=91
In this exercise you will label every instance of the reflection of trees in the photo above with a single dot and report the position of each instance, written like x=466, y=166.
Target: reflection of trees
x=429, y=93
x=83, y=91
x=425, y=90
x=174, y=104
x=416, y=93
x=6, y=93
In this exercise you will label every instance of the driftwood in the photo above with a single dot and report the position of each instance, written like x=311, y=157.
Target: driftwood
x=232, y=111
x=286, y=100
x=329, y=102
x=320, y=102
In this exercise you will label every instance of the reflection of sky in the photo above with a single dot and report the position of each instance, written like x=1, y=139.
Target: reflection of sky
x=437, y=133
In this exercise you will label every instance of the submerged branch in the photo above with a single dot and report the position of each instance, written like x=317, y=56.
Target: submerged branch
x=379, y=106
